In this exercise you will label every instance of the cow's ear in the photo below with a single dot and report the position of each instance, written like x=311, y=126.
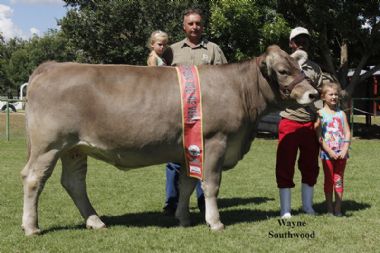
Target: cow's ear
x=265, y=65
x=300, y=56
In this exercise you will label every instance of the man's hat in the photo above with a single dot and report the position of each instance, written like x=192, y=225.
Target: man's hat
x=298, y=31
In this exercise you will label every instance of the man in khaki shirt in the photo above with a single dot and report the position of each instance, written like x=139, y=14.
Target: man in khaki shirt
x=204, y=52
x=193, y=50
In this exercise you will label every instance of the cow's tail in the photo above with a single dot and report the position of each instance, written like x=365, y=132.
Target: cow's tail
x=27, y=134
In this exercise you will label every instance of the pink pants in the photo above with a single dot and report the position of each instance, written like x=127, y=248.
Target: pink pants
x=334, y=170
x=294, y=136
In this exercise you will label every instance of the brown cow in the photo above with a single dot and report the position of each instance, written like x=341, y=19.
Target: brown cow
x=130, y=116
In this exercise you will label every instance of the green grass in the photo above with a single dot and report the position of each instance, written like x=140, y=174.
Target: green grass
x=130, y=203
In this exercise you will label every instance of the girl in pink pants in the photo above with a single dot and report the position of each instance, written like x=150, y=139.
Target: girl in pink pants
x=334, y=137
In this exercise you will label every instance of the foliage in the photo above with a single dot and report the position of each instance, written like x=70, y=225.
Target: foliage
x=131, y=202
x=4, y=80
x=244, y=28
x=21, y=57
x=3, y=77
x=117, y=31
x=335, y=24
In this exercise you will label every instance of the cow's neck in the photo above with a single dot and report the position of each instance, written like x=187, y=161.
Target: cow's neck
x=256, y=91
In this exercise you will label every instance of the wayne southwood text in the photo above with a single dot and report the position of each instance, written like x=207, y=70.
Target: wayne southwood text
x=291, y=234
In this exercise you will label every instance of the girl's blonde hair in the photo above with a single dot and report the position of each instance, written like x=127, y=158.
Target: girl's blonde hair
x=330, y=82
x=156, y=35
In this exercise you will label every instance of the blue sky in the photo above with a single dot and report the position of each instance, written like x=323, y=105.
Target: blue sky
x=22, y=18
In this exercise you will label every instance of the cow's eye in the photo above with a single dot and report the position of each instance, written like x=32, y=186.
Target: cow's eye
x=283, y=72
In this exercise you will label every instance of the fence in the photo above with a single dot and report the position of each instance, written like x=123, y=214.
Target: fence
x=7, y=111
x=361, y=111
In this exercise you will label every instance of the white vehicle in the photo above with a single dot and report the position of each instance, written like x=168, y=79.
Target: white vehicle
x=16, y=105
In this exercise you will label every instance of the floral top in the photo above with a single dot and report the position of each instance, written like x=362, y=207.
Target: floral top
x=332, y=131
x=155, y=60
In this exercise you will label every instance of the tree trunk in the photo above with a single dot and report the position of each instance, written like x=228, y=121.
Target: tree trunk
x=343, y=54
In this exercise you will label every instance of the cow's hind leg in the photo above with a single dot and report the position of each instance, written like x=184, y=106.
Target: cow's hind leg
x=186, y=188
x=214, y=154
x=34, y=175
x=73, y=179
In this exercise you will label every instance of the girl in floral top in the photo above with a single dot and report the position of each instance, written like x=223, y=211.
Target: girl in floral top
x=334, y=137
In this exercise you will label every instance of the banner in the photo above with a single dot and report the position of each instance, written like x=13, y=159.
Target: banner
x=191, y=102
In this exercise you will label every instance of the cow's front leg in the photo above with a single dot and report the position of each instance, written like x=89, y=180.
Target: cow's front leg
x=186, y=188
x=214, y=153
x=74, y=170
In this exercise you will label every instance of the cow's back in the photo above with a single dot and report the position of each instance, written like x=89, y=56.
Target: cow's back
x=109, y=107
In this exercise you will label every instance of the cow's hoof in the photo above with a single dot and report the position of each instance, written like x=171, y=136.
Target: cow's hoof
x=31, y=231
x=94, y=222
x=217, y=227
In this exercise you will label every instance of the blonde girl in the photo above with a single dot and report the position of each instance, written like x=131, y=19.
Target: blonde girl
x=334, y=137
x=157, y=43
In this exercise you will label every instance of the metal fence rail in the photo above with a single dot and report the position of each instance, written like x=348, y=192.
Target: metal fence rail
x=7, y=111
x=355, y=109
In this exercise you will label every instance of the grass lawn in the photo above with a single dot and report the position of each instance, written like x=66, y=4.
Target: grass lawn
x=130, y=204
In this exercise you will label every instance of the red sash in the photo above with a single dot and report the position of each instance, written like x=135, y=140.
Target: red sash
x=191, y=119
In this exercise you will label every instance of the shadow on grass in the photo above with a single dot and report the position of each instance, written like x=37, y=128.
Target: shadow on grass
x=228, y=217
x=368, y=132
x=230, y=202
x=62, y=228
x=347, y=206
x=156, y=219
x=159, y=220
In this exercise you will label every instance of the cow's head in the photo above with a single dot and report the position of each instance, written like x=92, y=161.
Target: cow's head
x=285, y=73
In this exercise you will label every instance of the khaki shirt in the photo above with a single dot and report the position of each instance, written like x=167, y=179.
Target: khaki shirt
x=306, y=113
x=205, y=52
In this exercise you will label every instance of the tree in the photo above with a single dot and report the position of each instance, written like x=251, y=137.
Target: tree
x=3, y=77
x=244, y=28
x=117, y=31
x=346, y=33
x=21, y=57
x=7, y=50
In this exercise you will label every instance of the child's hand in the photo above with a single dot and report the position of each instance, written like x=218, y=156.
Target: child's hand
x=342, y=154
x=333, y=155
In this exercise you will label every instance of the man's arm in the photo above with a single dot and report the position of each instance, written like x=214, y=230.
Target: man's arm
x=219, y=56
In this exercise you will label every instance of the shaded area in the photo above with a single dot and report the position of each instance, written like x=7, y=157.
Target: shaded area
x=228, y=217
x=364, y=131
x=62, y=228
x=267, y=135
x=230, y=202
x=347, y=206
